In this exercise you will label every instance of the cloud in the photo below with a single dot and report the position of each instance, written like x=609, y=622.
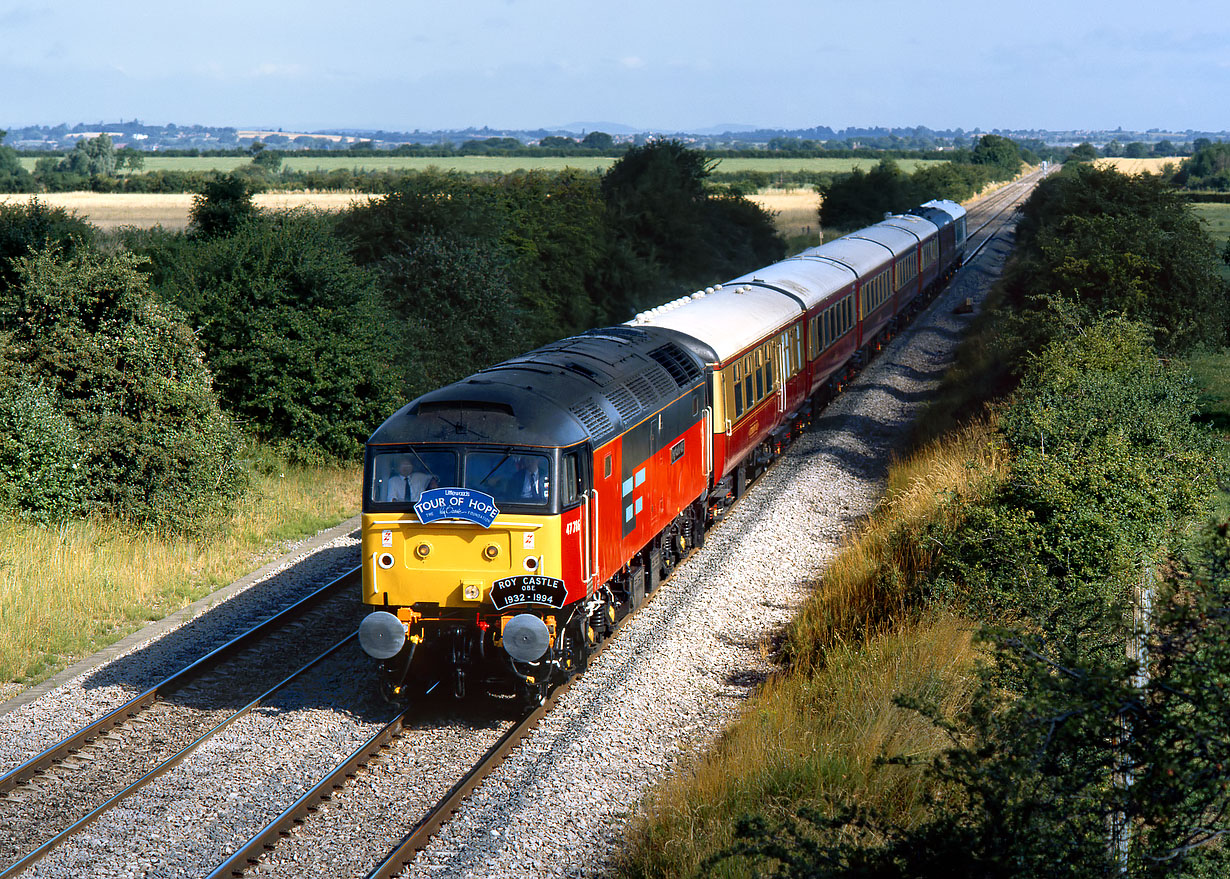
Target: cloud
x=632, y=62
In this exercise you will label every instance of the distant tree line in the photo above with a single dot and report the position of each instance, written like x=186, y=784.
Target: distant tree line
x=132, y=365
x=861, y=198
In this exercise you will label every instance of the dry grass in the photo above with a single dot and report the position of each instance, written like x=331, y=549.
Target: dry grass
x=67, y=591
x=871, y=585
x=813, y=740
x=813, y=735
x=170, y=210
x=1139, y=166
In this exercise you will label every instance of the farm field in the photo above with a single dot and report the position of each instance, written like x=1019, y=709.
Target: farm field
x=491, y=164
x=109, y=211
x=1139, y=166
x=796, y=209
x=1216, y=218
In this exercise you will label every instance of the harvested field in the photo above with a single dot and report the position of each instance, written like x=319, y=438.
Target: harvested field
x=1139, y=166
x=170, y=210
x=796, y=209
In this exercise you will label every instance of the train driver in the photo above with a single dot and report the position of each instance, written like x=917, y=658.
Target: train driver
x=410, y=482
x=533, y=482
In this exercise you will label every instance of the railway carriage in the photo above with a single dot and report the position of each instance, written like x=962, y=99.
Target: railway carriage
x=949, y=218
x=511, y=518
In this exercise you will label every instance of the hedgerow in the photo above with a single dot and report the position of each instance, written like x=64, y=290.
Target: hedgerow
x=127, y=375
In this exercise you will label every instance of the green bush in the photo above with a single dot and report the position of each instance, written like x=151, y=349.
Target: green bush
x=1108, y=464
x=291, y=330
x=130, y=379
x=40, y=454
x=29, y=226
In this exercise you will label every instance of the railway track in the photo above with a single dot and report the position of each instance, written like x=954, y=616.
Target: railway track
x=982, y=216
x=60, y=791
x=422, y=830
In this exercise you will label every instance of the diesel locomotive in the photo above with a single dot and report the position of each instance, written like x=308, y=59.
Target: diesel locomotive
x=512, y=518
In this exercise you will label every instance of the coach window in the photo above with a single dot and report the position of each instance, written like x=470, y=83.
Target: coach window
x=606, y=467
x=738, y=399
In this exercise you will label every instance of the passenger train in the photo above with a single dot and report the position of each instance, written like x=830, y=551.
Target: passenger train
x=512, y=518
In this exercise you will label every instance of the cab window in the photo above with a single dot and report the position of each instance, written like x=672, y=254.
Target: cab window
x=511, y=478
x=404, y=476
x=570, y=483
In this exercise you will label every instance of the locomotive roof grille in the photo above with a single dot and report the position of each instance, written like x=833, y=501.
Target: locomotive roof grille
x=623, y=401
x=592, y=416
x=643, y=391
x=675, y=361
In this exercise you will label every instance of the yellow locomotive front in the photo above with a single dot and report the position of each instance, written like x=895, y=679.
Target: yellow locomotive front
x=463, y=546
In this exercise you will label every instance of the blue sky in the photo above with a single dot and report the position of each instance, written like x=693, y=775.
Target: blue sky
x=649, y=64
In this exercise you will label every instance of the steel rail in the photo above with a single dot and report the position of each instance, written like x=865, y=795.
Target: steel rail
x=167, y=764
x=170, y=684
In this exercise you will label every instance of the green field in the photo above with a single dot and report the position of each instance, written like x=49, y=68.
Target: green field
x=491, y=164
x=1216, y=218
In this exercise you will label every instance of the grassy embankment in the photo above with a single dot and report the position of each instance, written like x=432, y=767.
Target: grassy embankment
x=67, y=591
x=818, y=732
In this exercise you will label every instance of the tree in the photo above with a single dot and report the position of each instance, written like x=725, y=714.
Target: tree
x=222, y=206
x=450, y=310
x=1135, y=150
x=94, y=157
x=292, y=330
x=1096, y=241
x=1084, y=152
x=664, y=218
x=598, y=140
x=132, y=159
x=1208, y=168
x=13, y=177
x=999, y=152
x=267, y=161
